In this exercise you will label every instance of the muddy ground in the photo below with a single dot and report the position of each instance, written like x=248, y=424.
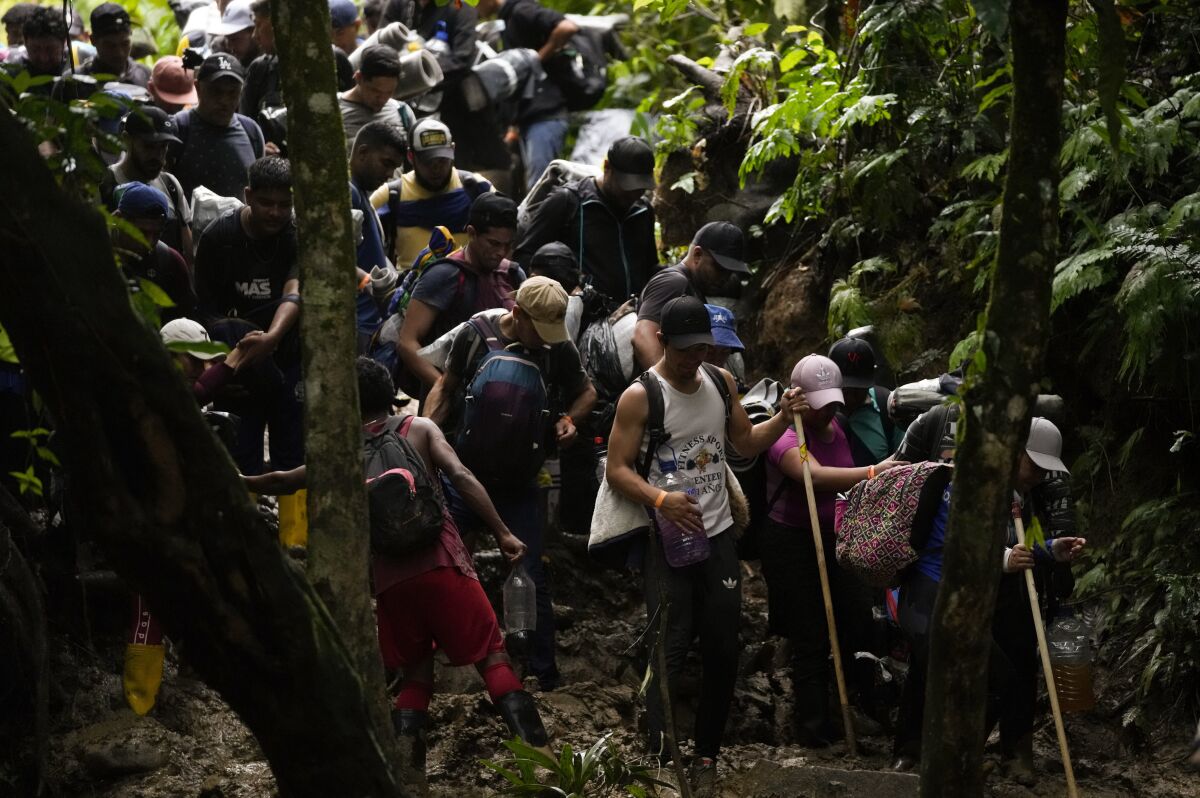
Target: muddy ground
x=191, y=744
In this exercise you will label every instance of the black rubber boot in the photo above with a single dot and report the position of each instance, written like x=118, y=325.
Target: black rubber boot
x=410, y=733
x=521, y=715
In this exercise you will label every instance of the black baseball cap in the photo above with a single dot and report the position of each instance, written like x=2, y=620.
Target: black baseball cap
x=684, y=323
x=110, y=18
x=632, y=163
x=220, y=65
x=856, y=360
x=150, y=123
x=492, y=210
x=554, y=253
x=727, y=245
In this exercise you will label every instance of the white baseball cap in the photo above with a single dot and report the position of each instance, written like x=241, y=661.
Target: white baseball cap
x=236, y=17
x=1044, y=445
x=186, y=331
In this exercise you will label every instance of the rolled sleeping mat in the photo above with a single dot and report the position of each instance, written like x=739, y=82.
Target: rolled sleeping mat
x=419, y=72
x=500, y=78
x=396, y=35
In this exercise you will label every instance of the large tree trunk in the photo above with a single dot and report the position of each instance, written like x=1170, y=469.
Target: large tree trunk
x=153, y=485
x=338, y=548
x=24, y=653
x=998, y=408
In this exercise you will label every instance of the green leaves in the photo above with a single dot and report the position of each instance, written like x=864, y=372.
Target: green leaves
x=203, y=347
x=598, y=771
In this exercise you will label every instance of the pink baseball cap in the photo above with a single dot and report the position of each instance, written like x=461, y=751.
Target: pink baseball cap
x=820, y=379
x=171, y=83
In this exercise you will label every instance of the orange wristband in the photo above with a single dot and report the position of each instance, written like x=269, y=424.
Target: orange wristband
x=871, y=472
x=662, y=497
x=366, y=280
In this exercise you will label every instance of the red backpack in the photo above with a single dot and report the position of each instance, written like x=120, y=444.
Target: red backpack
x=882, y=523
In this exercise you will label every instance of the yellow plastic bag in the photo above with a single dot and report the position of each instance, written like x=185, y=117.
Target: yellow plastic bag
x=143, y=675
x=293, y=519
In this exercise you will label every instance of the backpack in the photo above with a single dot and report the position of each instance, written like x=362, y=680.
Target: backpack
x=507, y=413
x=580, y=70
x=405, y=506
x=883, y=522
x=761, y=403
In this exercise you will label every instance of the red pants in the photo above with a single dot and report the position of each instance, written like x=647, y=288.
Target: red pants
x=440, y=607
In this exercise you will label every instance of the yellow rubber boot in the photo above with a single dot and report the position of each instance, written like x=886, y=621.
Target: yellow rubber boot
x=293, y=519
x=143, y=675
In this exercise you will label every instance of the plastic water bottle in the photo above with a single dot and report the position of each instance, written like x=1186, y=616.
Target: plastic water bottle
x=680, y=546
x=1068, y=639
x=601, y=458
x=520, y=601
x=440, y=43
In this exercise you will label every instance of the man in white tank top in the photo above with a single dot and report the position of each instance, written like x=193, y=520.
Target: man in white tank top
x=707, y=594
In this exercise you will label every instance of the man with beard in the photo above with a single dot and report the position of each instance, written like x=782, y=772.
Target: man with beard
x=606, y=221
x=45, y=36
x=246, y=269
x=112, y=34
x=146, y=133
x=432, y=193
x=717, y=251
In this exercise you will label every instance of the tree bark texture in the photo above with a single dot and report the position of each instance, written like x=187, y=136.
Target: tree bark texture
x=997, y=409
x=24, y=654
x=156, y=489
x=338, y=543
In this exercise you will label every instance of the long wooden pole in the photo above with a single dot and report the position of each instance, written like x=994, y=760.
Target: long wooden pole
x=835, y=649
x=1047, y=670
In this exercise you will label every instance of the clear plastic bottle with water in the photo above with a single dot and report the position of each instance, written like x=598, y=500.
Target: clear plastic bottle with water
x=680, y=546
x=520, y=601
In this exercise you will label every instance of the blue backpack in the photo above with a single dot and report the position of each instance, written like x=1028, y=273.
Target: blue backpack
x=504, y=428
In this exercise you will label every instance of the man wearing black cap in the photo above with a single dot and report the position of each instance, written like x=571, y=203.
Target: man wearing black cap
x=146, y=133
x=702, y=423
x=475, y=278
x=217, y=144
x=872, y=434
x=607, y=222
x=112, y=35
x=717, y=251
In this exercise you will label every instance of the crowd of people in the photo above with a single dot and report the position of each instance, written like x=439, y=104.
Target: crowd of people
x=488, y=342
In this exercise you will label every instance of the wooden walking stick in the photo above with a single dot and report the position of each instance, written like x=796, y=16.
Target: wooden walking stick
x=835, y=649
x=1047, y=671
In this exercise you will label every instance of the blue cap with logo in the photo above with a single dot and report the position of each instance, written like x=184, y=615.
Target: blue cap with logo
x=724, y=328
x=140, y=201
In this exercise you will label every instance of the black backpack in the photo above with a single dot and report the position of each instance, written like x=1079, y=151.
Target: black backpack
x=580, y=70
x=405, y=506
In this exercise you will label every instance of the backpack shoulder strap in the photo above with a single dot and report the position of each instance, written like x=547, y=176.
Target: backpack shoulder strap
x=881, y=403
x=656, y=430
x=718, y=379
x=405, y=426
x=487, y=333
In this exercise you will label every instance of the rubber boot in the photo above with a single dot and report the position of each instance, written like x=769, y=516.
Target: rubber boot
x=143, y=675
x=1019, y=767
x=410, y=727
x=521, y=715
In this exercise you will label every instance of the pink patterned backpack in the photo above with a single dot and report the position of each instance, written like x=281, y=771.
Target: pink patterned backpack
x=882, y=523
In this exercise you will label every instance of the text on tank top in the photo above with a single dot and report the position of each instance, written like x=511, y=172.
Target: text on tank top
x=696, y=422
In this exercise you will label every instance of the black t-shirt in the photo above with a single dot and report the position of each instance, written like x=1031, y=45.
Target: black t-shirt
x=528, y=23
x=670, y=283
x=133, y=73
x=562, y=368
x=241, y=277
